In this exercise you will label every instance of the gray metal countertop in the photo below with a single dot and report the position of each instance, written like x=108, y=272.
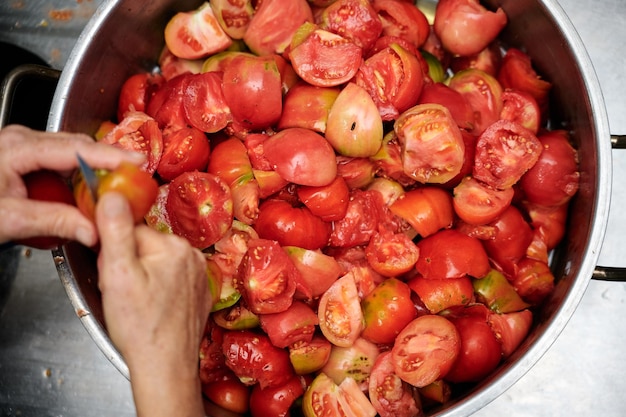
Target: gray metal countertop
x=50, y=367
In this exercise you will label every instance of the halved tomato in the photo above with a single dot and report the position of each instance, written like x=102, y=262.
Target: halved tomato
x=355, y=20
x=477, y=203
x=390, y=395
x=427, y=209
x=296, y=324
x=339, y=312
x=204, y=103
x=185, y=150
x=329, y=202
x=391, y=254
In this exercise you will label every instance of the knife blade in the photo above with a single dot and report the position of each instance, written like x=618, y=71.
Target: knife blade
x=90, y=177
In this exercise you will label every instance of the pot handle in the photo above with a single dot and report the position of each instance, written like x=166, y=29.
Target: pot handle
x=607, y=273
x=12, y=80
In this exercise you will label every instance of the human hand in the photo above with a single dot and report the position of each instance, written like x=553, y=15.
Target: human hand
x=156, y=302
x=23, y=150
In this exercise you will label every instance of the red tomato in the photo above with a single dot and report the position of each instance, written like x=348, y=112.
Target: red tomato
x=404, y=20
x=329, y=202
x=517, y=72
x=291, y=226
x=480, y=349
x=550, y=220
x=533, y=280
x=51, y=187
x=393, y=77
x=454, y=101
x=355, y=20
x=469, y=140
x=253, y=91
x=482, y=92
x=317, y=269
x=138, y=132
x=357, y=172
x=307, y=106
x=267, y=277
x=465, y=27
x=361, y=220
x=235, y=317
x=172, y=66
x=275, y=401
x=301, y=156
x=212, y=362
x=274, y=24
x=325, y=398
x=195, y=34
x=504, y=152
x=354, y=126
x=487, y=60
x=427, y=209
x=386, y=311
x=477, y=203
x=230, y=394
x=390, y=396
x=200, y=207
x=339, y=312
x=391, y=254
x=323, y=58
x=204, y=102
x=512, y=237
x=136, y=92
x=253, y=358
x=166, y=104
x=440, y=294
x=451, y=254
x=432, y=145
x=425, y=350
x=522, y=108
x=511, y=329
x=184, y=150
x=296, y=324
x=554, y=179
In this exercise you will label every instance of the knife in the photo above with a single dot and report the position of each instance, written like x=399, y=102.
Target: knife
x=90, y=177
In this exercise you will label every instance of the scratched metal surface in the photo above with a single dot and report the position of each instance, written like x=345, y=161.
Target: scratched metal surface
x=50, y=367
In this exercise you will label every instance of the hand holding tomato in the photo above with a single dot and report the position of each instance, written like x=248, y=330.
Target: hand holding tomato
x=156, y=303
x=24, y=151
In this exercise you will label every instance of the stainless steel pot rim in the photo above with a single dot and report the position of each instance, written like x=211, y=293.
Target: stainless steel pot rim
x=489, y=389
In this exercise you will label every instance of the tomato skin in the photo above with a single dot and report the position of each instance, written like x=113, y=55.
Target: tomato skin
x=301, y=156
x=336, y=58
x=166, y=104
x=551, y=221
x=404, y=20
x=200, y=207
x=425, y=350
x=390, y=396
x=386, y=311
x=274, y=24
x=522, y=108
x=318, y=270
x=496, y=292
x=339, y=312
x=440, y=294
x=361, y=220
x=455, y=102
x=184, y=150
x=477, y=203
x=355, y=20
x=252, y=89
x=307, y=106
x=511, y=329
x=504, y=152
x=46, y=186
x=428, y=209
x=296, y=324
x=230, y=394
x=429, y=129
x=136, y=91
x=533, y=280
x=275, y=401
x=267, y=277
x=291, y=226
x=329, y=202
x=253, y=358
x=512, y=237
x=391, y=254
x=554, y=179
x=480, y=349
x=309, y=357
x=354, y=127
x=465, y=27
x=451, y=254
x=195, y=34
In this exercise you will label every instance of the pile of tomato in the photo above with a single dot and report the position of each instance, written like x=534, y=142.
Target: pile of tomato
x=377, y=195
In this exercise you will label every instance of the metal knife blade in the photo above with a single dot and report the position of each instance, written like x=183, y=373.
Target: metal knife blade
x=90, y=177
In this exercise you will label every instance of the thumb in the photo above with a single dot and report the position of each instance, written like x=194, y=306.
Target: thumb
x=116, y=228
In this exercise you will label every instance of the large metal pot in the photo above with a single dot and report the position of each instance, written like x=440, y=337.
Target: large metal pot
x=126, y=36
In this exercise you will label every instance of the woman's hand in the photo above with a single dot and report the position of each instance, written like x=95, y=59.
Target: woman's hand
x=156, y=302
x=23, y=150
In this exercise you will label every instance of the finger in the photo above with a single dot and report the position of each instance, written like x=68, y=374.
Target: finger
x=118, y=252
x=20, y=219
x=29, y=150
